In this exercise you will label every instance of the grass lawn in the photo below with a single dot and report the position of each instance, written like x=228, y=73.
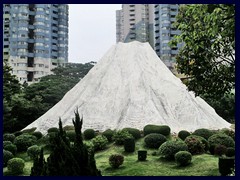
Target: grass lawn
x=202, y=165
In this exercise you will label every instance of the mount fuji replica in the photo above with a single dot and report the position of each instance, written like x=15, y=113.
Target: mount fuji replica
x=131, y=87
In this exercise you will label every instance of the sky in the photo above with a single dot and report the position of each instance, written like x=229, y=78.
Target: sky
x=92, y=31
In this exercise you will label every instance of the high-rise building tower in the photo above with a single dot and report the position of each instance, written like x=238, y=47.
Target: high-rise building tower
x=165, y=16
x=135, y=22
x=35, y=38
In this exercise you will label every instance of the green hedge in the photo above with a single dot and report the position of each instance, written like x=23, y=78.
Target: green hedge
x=162, y=129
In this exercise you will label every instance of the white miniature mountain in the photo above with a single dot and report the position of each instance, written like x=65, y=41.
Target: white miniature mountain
x=131, y=87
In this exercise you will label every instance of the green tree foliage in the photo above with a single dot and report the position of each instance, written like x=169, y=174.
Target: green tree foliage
x=24, y=104
x=74, y=160
x=11, y=84
x=208, y=55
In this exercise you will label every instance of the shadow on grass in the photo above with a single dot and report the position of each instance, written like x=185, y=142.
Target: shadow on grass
x=111, y=169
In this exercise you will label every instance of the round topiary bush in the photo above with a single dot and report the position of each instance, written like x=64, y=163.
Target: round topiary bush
x=71, y=135
x=154, y=140
x=129, y=145
x=183, y=134
x=134, y=132
x=163, y=129
x=99, y=142
x=52, y=130
x=230, y=152
x=168, y=149
x=222, y=139
x=116, y=160
x=120, y=136
x=11, y=147
x=24, y=141
x=5, y=143
x=37, y=134
x=8, y=137
x=16, y=165
x=108, y=134
x=195, y=146
x=7, y=155
x=89, y=134
x=183, y=158
x=33, y=151
x=220, y=150
x=205, y=133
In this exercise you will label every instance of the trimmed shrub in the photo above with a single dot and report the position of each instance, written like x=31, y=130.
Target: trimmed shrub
x=18, y=133
x=8, y=137
x=163, y=129
x=5, y=143
x=183, y=158
x=29, y=131
x=37, y=134
x=89, y=134
x=220, y=150
x=222, y=139
x=99, y=142
x=183, y=134
x=154, y=140
x=16, y=165
x=230, y=152
x=205, y=133
x=52, y=130
x=33, y=151
x=120, y=136
x=108, y=134
x=194, y=144
x=116, y=160
x=129, y=145
x=134, y=132
x=24, y=141
x=12, y=148
x=228, y=132
x=71, y=135
x=7, y=155
x=168, y=149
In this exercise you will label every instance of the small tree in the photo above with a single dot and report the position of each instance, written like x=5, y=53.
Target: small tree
x=74, y=160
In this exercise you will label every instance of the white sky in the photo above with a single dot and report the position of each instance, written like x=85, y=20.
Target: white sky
x=92, y=31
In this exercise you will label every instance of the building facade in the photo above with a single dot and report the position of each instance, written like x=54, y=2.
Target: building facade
x=151, y=23
x=165, y=16
x=35, y=38
x=135, y=22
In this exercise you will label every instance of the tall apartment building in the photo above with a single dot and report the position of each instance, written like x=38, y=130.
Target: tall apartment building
x=165, y=16
x=135, y=22
x=151, y=23
x=35, y=38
